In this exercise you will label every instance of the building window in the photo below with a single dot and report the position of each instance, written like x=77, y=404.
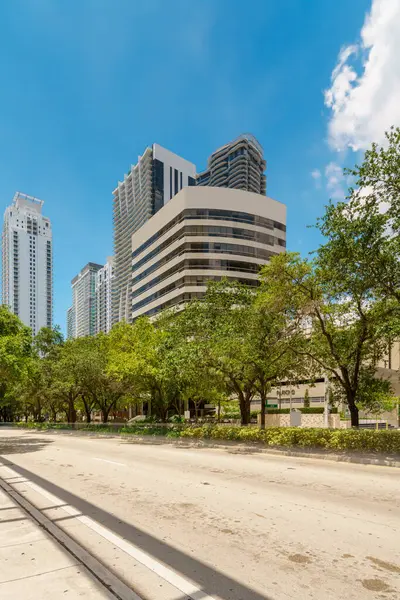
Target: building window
x=170, y=183
x=181, y=181
x=158, y=181
x=176, y=181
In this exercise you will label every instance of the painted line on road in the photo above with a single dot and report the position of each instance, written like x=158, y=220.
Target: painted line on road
x=183, y=585
x=111, y=462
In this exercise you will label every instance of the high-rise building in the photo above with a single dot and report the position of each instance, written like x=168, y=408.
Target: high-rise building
x=238, y=165
x=70, y=323
x=27, y=262
x=203, y=234
x=82, y=314
x=150, y=184
x=104, y=282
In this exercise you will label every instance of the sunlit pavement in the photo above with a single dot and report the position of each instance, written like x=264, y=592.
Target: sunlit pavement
x=175, y=522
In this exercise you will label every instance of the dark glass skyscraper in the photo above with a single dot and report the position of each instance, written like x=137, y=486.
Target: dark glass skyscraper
x=158, y=175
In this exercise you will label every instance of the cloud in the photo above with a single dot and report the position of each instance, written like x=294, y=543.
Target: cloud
x=316, y=175
x=364, y=99
x=335, y=181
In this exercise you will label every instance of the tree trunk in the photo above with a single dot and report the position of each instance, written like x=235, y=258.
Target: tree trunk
x=71, y=413
x=353, y=412
x=88, y=411
x=219, y=411
x=244, y=404
x=105, y=411
x=262, y=415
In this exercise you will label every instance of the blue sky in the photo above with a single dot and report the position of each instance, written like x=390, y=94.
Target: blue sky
x=87, y=84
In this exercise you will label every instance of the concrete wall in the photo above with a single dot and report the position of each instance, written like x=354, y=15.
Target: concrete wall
x=306, y=420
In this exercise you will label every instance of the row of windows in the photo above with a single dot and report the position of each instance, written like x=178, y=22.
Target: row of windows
x=186, y=281
x=213, y=231
x=182, y=298
x=207, y=247
x=200, y=213
x=172, y=271
x=211, y=264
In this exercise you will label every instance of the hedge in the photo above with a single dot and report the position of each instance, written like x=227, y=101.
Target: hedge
x=329, y=439
x=384, y=441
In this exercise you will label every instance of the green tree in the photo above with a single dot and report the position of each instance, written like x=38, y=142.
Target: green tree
x=66, y=383
x=187, y=360
x=137, y=357
x=307, y=399
x=362, y=243
x=338, y=331
x=15, y=355
x=217, y=328
x=95, y=385
x=47, y=345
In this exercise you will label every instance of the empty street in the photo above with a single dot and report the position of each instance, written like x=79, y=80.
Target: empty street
x=174, y=522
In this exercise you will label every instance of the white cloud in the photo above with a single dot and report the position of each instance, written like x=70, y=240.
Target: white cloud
x=335, y=181
x=365, y=101
x=316, y=175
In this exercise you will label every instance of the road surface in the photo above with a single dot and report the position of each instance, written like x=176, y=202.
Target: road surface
x=176, y=522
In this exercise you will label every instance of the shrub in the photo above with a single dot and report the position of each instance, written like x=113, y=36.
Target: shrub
x=382, y=441
x=330, y=439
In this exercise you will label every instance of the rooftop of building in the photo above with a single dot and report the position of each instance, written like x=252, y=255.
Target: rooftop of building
x=21, y=200
x=245, y=137
x=219, y=198
x=162, y=154
x=90, y=266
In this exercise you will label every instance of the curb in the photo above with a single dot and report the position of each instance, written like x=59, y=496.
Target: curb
x=298, y=453
x=355, y=458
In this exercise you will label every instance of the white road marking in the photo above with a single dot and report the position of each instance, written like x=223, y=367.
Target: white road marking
x=112, y=462
x=148, y=561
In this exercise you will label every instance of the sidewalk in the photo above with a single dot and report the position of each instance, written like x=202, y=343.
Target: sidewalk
x=33, y=566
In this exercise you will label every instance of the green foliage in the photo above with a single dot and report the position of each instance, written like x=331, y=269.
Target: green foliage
x=337, y=330
x=381, y=441
x=306, y=399
x=362, y=243
x=329, y=439
x=15, y=357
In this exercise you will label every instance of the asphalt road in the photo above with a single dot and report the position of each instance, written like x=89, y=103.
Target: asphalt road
x=176, y=522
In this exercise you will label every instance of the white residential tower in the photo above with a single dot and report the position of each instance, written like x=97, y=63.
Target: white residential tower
x=81, y=316
x=27, y=262
x=104, y=283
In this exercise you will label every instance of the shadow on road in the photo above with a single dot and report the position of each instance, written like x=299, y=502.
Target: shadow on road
x=22, y=445
x=206, y=577
x=230, y=446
